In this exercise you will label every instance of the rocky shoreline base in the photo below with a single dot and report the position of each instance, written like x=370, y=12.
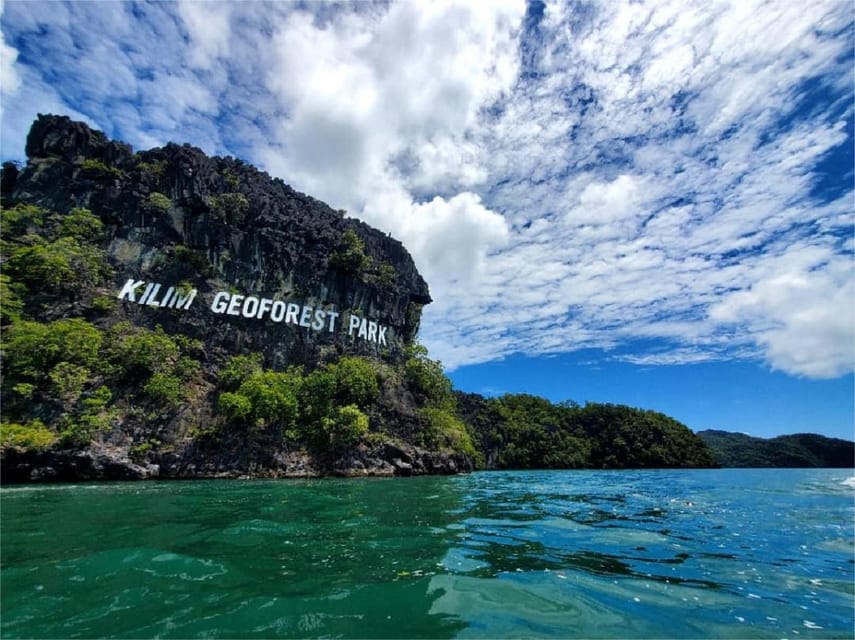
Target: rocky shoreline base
x=107, y=462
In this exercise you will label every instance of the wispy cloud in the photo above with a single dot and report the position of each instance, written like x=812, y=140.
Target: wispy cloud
x=566, y=175
x=659, y=165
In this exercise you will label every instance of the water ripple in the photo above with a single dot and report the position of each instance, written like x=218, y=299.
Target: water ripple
x=682, y=554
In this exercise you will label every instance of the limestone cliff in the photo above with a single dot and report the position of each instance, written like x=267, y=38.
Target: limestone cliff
x=230, y=260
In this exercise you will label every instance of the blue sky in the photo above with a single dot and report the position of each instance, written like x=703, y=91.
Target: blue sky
x=649, y=203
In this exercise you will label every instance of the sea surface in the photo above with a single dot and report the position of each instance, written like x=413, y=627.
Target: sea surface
x=556, y=554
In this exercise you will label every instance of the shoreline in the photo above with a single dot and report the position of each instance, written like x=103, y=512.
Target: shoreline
x=109, y=462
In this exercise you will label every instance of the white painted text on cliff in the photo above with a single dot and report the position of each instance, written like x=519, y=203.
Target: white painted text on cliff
x=225, y=303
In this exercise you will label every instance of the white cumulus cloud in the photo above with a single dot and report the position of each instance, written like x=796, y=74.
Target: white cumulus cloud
x=381, y=104
x=801, y=310
x=208, y=25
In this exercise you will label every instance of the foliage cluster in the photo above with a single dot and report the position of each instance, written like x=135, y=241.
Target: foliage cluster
x=441, y=424
x=68, y=369
x=523, y=432
x=350, y=255
x=385, y=275
x=413, y=314
x=229, y=207
x=57, y=363
x=426, y=376
x=94, y=413
x=263, y=399
x=104, y=304
x=325, y=409
x=157, y=168
x=230, y=178
x=11, y=302
x=70, y=364
x=21, y=219
x=196, y=260
x=51, y=368
x=32, y=349
x=99, y=169
x=32, y=436
x=156, y=202
x=45, y=253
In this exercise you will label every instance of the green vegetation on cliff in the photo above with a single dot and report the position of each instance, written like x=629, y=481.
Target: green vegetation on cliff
x=797, y=450
x=93, y=375
x=47, y=253
x=324, y=409
x=101, y=385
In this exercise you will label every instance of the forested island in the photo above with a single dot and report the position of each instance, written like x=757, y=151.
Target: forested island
x=165, y=314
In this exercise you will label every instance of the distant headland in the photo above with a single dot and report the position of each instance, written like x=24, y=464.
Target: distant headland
x=796, y=450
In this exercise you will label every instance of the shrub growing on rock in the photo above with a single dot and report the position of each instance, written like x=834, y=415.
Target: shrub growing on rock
x=355, y=381
x=344, y=428
x=33, y=436
x=32, y=349
x=21, y=219
x=165, y=388
x=316, y=397
x=65, y=265
x=138, y=351
x=427, y=376
x=350, y=256
x=82, y=225
x=234, y=406
x=271, y=397
x=158, y=203
x=238, y=368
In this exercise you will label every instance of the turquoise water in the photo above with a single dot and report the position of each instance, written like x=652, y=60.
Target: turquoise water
x=623, y=554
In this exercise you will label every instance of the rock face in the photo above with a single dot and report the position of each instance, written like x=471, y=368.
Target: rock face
x=103, y=462
x=174, y=215
x=237, y=262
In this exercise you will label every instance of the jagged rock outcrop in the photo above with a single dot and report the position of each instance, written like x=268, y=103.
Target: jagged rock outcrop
x=176, y=215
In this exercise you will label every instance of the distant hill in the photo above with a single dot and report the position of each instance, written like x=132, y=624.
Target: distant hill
x=797, y=450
